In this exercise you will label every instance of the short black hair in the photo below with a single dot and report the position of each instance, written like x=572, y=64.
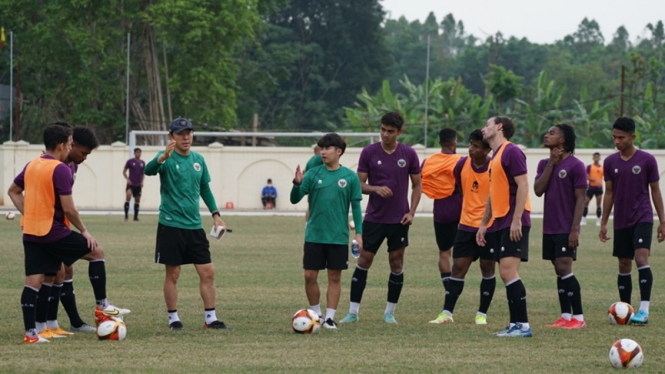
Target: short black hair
x=332, y=140
x=596, y=153
x=137, y=149
x=478, y=135
x=624, y=124
x=394, y=119
x=85, y=137
x=569, y=137
x=508, y=126
x=269, y=180
x=55, y=134
x=447, y=136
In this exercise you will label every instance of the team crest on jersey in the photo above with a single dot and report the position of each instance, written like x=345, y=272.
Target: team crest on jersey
x=378, y=162
x=401, y=163
x=562, y=173
x=637, y=169
x=197, y=166
x=474, y=187
x=342, y=183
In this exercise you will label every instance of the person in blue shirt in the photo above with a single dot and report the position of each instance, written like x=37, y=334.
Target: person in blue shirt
x=268, y=195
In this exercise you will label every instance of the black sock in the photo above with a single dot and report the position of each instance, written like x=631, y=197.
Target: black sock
x=646, y=281
x=126, y=209
x=29, y=307
x=445, y=279
x=136, y=211
x=517, y=293
x=574, y=293
x=41, y=306
x=395, y=283
x=54, y=303
x=625, y=285
x=68, y=300
x=598, y=212
x=453, y=292
x=586, y=211
x=487, y=287
x=358, y=283
x=564, y=301
x=97, y=274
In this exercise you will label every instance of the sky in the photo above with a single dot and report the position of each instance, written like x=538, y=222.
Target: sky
x=540, y=21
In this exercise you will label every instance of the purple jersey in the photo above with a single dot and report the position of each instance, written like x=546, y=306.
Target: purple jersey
x=62, y=186
x=559, y=207
x=513, y=161
x=135, y=171
x=74, y=168
x=393, y=171
x=630, y=184
x=448, y=209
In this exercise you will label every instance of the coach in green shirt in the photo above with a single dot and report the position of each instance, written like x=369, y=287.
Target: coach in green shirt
x=184, y=179
x=332, y=188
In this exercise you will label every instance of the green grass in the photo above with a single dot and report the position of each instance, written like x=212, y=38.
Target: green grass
x=260, y=285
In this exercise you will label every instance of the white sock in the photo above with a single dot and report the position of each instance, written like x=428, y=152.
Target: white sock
x=316, y=308
x=566, y=316
x=210, y=316
x=644, y=305
x=103, y=303
x=450, y=314
x=173, y=317
x=330, y=314
x=525, y=326
x=390, y=308
x=40, y=326
x=579, y=317
x=477, y=313
x=354, y=308
x=53, y=325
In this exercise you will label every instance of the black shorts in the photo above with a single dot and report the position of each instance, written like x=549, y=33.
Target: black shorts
x=46, y=258
x=136, y=190
x=180, y=246
x=319, y=256
x=466, y=246
x=556, y=246
x=507, y=248
x=626, y=241
x=591, y=193
x=445, y=234
x=374, y=233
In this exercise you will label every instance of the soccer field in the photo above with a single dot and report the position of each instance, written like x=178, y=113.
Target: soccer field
x=260, y=285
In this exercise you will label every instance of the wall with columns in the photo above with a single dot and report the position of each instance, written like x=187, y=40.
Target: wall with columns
x=238, y=173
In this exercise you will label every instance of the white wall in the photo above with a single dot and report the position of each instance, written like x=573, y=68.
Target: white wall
x=238, y=173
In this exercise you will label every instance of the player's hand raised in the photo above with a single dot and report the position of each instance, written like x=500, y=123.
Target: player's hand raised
x=299, y=175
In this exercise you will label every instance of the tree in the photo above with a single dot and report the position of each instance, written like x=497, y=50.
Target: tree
x=503, y=84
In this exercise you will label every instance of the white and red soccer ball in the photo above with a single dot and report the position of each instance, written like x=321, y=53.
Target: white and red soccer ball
x=10, y=216
x=306, y=321
x=626, y=354
x=620, y=313
x=111, y=328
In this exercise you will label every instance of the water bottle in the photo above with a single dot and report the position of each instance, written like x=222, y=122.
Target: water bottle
x=354, y=249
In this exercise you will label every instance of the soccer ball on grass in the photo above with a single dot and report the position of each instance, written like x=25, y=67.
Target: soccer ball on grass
x=626, y=353
x=112, y=329
x=305, y=321
x=620, y=313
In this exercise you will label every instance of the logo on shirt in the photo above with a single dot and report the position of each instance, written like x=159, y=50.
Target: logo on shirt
x=197, y=167
x=378, y=162
x=474, y=187
x=401, y=163
x=342, y=183
x=562, y=174
x=637, y=169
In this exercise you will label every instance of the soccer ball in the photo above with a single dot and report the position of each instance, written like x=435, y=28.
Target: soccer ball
x=620, y=313
x=306, y=321
x=10, y=216
x=626, y=353
x=111, y=329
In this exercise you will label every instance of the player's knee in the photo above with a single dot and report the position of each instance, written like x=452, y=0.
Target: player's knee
x=310, y=276
x=487, y=268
